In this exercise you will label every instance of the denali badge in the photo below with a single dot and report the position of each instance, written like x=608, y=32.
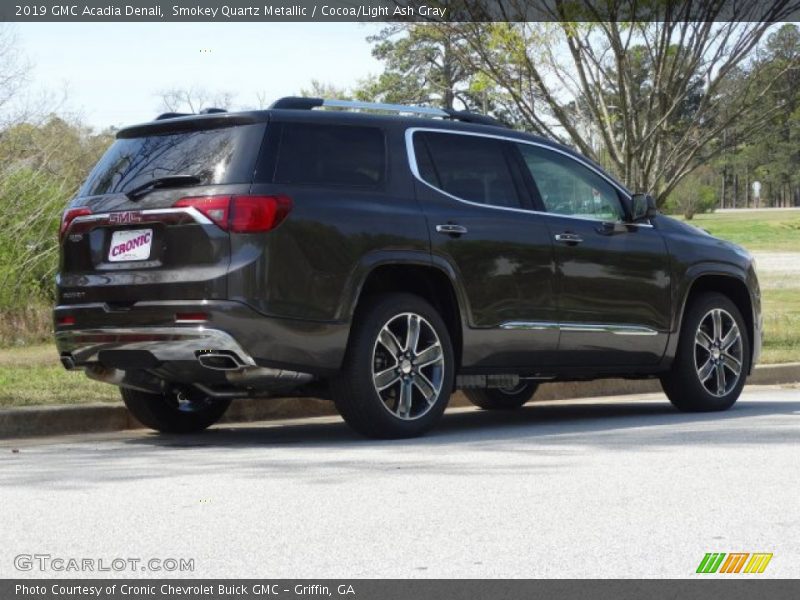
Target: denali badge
x=123, y=218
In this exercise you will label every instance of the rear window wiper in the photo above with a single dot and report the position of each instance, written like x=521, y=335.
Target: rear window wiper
x=161, y=182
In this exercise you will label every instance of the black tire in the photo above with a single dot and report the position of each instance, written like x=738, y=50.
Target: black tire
x=394, y=412
x=164, y=412
x=683, y=384
x=503, y=399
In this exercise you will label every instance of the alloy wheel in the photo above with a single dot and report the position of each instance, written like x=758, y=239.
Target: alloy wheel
x=718, y=350
x=408, y=366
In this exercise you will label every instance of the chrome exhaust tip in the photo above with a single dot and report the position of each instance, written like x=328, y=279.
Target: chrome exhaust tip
x=68, y=362
x=219, y=361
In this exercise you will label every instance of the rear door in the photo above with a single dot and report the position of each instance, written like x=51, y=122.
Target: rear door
x=476, y=204
x=612, y=277
x=120, y=246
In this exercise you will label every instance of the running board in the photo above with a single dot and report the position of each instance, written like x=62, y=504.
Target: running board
x=500, y=380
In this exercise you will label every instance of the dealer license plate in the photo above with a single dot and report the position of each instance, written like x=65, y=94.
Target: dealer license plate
x=130, y=244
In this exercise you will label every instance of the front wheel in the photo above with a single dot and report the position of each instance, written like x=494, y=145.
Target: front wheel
x=174, y=412
x=398, y=370
x=503, y=398
x=713, y=356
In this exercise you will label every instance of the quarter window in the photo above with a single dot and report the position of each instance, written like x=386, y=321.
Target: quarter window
x=469, y=167
x=337, y=155
x=568, y=188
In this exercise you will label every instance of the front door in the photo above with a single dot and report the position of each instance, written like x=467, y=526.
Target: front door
x=612, y=277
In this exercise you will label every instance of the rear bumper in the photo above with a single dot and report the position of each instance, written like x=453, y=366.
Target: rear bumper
x=231, y=327
x=164, y=344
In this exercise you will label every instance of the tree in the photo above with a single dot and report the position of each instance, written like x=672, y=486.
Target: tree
x=423, y=64
x=41, y=167
x=650, y=100
x=193, y=100
x=320, y=89
x=770, y=155
x=695, y=194
x=13, y=70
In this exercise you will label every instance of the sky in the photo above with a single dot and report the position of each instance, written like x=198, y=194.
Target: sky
x=113, y=72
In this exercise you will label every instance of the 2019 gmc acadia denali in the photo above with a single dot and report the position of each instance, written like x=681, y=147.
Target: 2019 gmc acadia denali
x=383, y=260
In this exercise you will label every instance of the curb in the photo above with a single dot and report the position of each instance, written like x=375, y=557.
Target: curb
x=37, y=421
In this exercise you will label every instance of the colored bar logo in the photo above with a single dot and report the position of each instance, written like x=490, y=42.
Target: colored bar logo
x=735, y=562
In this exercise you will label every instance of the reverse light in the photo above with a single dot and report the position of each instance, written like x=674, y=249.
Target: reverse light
x=191, y=317
x=242, y=214
x=215, y=208
x=69, y=216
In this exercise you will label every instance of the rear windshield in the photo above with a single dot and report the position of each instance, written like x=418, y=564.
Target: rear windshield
x=215, y=156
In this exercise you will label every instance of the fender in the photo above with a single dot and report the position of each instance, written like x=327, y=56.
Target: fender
x=372, y=260
x=681, y=296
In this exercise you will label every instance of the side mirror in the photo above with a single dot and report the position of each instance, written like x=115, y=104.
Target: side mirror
x=643, y=206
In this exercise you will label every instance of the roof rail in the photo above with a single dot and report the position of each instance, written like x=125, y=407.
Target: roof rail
x=299, y=103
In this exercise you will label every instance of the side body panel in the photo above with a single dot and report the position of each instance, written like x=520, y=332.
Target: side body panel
x=308, y=267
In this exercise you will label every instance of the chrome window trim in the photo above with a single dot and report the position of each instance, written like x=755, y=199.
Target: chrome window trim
x=412, y=163
x=613, y=328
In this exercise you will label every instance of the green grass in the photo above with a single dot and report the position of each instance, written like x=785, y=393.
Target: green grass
x=767, y=230
x=781, y=310
x=32, y=375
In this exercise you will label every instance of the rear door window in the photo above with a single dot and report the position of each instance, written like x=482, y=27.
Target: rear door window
x=470, y=167
x=214, y=156
x=331, y=155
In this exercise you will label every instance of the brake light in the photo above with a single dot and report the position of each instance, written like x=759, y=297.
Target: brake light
x=69, y=216
x=242, y=214
x=66, y=321
x=258, y=213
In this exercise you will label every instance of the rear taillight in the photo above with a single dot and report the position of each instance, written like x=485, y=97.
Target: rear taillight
x=69, y=216
x=241, y=214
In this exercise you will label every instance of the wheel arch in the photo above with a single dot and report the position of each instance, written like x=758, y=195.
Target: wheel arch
x=416, y=274
x=729, y=282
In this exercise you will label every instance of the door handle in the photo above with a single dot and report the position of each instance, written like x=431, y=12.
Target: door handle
x=568, y=238
x=451, y=229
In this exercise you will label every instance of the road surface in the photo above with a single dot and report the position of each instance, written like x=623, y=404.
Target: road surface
x=616, y=487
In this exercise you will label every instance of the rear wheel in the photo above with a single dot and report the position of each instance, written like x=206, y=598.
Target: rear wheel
x=174, y=412
x=398, y=371
x=713, y=356
x=503, y=398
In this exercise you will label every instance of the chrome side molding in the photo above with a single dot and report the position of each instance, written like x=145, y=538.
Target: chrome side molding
x=612, y=328
x=530, y=325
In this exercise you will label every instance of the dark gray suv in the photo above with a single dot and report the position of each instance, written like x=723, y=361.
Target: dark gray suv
x=383, y=258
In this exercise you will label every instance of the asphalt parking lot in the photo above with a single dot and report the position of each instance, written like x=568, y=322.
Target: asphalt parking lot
x=612, y=487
